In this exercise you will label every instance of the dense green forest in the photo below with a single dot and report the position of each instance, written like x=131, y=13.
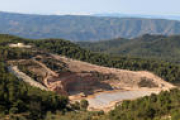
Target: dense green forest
x=20, y=101
x=146, y=46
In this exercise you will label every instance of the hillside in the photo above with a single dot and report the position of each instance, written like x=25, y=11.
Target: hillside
x=51, y=63
x=83, y=28
x=71, y=50
x=147, y=46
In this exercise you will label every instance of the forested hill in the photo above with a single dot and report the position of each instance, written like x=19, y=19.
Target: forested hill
x=166, y=48
x=19, y=101
x=83, y=27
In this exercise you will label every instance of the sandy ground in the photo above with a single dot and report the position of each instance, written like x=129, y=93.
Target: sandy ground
x=107, y=101
x=125, y=85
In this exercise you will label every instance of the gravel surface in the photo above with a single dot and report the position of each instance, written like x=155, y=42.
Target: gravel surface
x=105, y=99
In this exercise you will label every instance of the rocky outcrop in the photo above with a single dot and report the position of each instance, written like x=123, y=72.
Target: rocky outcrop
x=82, y=82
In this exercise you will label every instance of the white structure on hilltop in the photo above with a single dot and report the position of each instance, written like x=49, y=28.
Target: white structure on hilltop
x=19, y=45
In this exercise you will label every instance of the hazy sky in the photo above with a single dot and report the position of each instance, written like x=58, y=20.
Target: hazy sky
x=159, y=7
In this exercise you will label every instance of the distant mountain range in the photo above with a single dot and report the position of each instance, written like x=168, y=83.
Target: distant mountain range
x=83, y=28
x=169, y=17
x=147, y=46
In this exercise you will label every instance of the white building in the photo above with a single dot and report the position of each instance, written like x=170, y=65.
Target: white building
x=19, y=45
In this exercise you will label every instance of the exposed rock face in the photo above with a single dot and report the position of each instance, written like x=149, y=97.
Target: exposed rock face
x=75, y=82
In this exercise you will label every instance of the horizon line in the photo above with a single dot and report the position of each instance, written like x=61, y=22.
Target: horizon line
x=90, y=14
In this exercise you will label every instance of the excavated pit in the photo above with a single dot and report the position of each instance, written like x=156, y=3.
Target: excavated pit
x=101, y=86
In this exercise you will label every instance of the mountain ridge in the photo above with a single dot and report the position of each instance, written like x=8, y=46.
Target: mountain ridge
x=83, y=28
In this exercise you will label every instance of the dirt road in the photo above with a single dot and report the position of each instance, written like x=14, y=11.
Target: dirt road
x=22, y=76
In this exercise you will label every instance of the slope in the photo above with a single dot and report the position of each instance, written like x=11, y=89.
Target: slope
x=148, y=46
x=83, y=28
